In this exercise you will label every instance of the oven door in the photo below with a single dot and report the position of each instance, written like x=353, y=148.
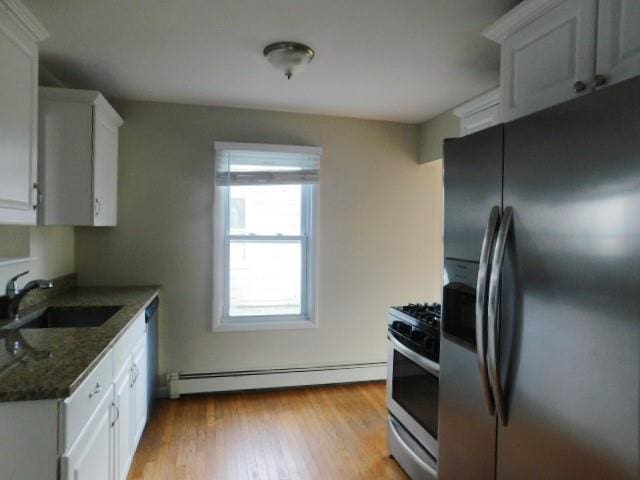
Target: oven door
x=412, y=393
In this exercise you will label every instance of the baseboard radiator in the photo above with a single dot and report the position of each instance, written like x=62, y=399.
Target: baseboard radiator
x=185, y=383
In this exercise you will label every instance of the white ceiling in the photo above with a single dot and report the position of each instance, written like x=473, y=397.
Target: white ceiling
x=401, y=60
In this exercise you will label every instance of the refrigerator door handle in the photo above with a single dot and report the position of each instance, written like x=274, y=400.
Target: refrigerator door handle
x=481, y=299
x=493, y=314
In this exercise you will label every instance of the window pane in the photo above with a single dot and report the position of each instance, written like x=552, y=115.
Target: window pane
x=264, y=278
x=265, y=209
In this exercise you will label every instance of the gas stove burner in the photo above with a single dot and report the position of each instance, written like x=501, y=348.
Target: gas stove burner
x=421, y=310
x=426, y=313
x=417, y=325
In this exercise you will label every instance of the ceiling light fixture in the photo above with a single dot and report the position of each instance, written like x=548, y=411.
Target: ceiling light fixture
x=290, y=57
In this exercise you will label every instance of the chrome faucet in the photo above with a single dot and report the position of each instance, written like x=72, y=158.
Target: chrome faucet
x=15, y=294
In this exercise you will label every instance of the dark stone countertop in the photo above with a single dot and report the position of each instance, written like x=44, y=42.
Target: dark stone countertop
x=52, y=362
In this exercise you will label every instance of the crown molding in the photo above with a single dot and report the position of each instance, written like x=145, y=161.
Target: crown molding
x=25, y=19
x=484, y=101
x=521, y=15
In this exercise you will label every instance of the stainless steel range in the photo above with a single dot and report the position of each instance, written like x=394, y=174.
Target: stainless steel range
x=412, y=387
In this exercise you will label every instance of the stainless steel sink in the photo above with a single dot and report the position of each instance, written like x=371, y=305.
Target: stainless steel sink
x=68, y=317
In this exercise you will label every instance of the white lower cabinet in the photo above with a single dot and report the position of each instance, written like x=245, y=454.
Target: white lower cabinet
x=109, y=410
x=139, y=389
x=124, y=447
x=91, y=455
x=90, y=435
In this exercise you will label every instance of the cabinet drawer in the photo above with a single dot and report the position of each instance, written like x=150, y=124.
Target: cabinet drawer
x=79, y=407
x=90, y=457
x=125, y=344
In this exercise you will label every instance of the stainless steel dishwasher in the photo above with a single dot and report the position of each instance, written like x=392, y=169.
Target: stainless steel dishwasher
x=151, y=318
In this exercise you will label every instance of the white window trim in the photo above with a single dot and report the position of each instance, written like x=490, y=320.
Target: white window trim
x=277, y=322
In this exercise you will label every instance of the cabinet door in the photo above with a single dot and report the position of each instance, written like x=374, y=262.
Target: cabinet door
x=105, y=170
x=18, y=123
x=544, y=62
x=65, y=150
x=123, y=450
x=91, y=456
x=139, y=389
x=618, y=40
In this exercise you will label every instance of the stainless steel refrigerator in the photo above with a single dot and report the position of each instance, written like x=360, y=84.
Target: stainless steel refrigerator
x=540, y=355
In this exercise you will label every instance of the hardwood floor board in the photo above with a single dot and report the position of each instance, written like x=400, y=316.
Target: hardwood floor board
x=338, y=465
x=324, y=433
x=296, y=449
x=318, y=444
x=344, y=421
x=251, y=439
x=333, y=406
x=272, y=445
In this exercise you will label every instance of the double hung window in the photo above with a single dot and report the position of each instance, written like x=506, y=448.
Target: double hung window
x=264, y=246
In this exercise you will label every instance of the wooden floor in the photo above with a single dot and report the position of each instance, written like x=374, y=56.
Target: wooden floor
x=334, y=432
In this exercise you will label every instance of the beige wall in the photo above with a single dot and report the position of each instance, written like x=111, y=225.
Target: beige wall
x=52, y=247
x=379, y=236
x=432, y=134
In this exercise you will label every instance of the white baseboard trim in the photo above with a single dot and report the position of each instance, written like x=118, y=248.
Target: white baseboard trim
x=181, y=383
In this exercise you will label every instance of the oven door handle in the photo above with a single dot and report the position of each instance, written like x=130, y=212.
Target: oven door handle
x=432, y=367
x=481, y=306
x=494, y=313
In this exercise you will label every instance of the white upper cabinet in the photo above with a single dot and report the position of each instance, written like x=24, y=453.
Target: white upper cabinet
x=105, y=168
x=78, y=158
x=555, y=50
x=19, y=34
x=480, y=113
x=547, y=54
x=618, y=53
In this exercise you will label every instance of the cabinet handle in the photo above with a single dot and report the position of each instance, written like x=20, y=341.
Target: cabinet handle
x=579, y=86
x=98, y=207
x=599, y=81
x=38, y=196
x=96, y=390
x=115, y=420
x=133, y=376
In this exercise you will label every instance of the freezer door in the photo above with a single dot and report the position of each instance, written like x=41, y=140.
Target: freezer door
x=472, y=188
x=570, y=327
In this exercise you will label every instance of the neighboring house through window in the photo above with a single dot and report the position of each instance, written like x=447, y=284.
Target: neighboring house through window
x=265, y=236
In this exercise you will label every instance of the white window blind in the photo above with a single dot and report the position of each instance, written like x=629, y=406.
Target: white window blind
x=259, y=164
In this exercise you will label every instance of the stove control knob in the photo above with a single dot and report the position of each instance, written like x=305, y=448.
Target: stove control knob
x=404, y=329
x=401, y=327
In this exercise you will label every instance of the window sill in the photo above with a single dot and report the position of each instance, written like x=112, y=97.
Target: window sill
x=275, y=324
